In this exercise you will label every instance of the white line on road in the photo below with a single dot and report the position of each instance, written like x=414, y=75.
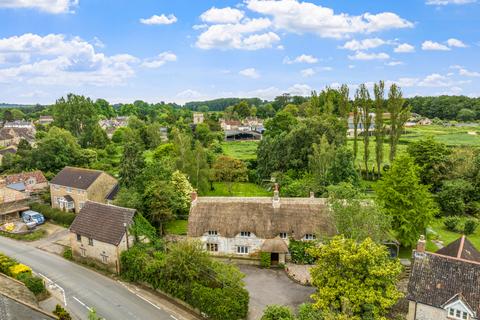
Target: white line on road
x=56, y=285
x=173, y=317
x=83, y=304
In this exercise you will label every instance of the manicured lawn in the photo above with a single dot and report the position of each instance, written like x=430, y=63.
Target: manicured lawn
x=239, y=189
x=177, y=227
x=448, y=236
x=243, y=150
x=371, y=147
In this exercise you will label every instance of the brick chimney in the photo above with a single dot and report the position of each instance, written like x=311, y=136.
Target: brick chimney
x=276, y=196
x=193, y=196
x=421, y=244
x=312, y=194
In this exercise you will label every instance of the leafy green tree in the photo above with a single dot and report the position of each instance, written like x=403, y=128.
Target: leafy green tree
x=466, y=115
x=152, y=135
x=408, y=202
x=104, y=108
x=355, y=217
x=306, y=311
x=95, y=137
x=229, y=170
x=454, y=196
x=274, y=312
x=320, y=161
x=356, y=279
x=200, y=169
x=158, y=202
x=282, y=122
x=242, y=109
x=132, y=161
x=379, y=92
x=363, y=103
x=342, y=168
x=182, y=190
x=399, y=114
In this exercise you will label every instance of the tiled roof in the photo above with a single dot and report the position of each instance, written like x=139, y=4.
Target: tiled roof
x=78, y=178
x=102, y=222
x=113, y=193
x=461, y=248
x=436, y=278
x=24, y=176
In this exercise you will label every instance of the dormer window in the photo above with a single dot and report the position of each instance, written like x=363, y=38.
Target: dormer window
x=457, y=314
x=212, y=232
x=245, y=234
x=309, y=236
x=283, y=235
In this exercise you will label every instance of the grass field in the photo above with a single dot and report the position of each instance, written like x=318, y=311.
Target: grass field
x=452, y=136
x=441, y=233
x=239, y=189
x=243, y=150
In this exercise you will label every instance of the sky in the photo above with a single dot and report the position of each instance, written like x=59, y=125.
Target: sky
x=184, y=50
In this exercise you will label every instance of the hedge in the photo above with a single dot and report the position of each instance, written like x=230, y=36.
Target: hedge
x=23, y=273
x=265, y=259
x=54, y=215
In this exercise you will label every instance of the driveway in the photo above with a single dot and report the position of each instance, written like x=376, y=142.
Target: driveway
x=267, y=287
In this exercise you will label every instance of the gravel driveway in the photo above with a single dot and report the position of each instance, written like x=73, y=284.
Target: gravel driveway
x=268, y=287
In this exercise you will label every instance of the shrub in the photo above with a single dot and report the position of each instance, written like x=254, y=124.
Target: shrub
x=298, y=251
x=67, y=254
x=470, y=226
x=6, y=263
x=54, y=215
x=274, y=312
x=265, y=259
x=33, y=283
x=61, y=313
x=451, y=223
x=18, y=269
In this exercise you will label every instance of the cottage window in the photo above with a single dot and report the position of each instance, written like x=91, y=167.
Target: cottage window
x=242, y=249
x=213, y=247
x=31, y=181
x=104, y=257
x=90, y=241
x=79, y=238
x=309, y=236
x=83, y=252
x=212, y=232
x=69, y=190
x=245, y=234
x=283, y=235
x=457, y=314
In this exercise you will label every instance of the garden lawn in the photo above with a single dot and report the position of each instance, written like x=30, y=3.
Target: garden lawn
x=451, y=136
x=177, y=227
x=449, y=236
x=239, y=189
x=243, y=150
x=371, y=147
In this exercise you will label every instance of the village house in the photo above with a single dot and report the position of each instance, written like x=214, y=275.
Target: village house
x=72, y=187
x=12, y=203
x=30, y=182
x=198, y=118
x=11, y=136
x=110, y=125
x=247, y=226
x=45, y=120
x=99, y=233
x=19, y=124
x=445, y=284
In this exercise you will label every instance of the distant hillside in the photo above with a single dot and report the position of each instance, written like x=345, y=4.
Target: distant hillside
x=13, y=105
x=221, y=104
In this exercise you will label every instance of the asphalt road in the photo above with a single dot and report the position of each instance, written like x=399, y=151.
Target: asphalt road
x=85, y=288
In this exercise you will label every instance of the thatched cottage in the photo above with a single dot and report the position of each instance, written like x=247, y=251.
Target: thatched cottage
x=245, y=226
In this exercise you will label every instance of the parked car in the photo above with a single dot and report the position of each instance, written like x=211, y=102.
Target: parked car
x=30, y=216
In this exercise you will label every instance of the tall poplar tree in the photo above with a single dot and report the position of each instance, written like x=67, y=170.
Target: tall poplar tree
x=399, y=114
x=364, y=103
x=356, y=120
x=379, y=92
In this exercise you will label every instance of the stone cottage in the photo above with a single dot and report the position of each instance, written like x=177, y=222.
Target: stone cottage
x=99, y=233
x=247, y=226
x=445, y=284
x=72, y=187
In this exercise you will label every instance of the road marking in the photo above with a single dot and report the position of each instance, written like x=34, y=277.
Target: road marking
x=173, y=317
x=56, y=285
x=83, y=304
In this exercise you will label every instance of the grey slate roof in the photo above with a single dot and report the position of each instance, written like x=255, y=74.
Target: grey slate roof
x=78, y=178
x=102, y=222
x=461, y=248
x=436, y=278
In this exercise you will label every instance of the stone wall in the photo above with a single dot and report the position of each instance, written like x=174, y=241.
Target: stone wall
x=425, y=312
x=101, y=187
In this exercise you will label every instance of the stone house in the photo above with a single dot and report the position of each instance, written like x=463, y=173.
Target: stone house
x=33, y=181
x=12, y=203
x=99, y=233
x=445, y=284
x=247, y=226
x=72, y=187
x=19, y=124
x=11, y=136
x=45, y=120
x=198, y=117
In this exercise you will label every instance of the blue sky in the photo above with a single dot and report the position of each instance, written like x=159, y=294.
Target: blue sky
x=188, y=50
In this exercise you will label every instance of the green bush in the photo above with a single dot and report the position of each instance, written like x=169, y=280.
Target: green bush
x=54, y=215
x=470, y=226
x=67, y=254
x=61, y=313
x=33, y=283
x=298, y=251
x=265, y=259
x=452, y=223
x=275, y=312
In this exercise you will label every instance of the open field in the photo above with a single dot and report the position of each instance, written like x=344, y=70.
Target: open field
x=243, y=150
x=452, y=136
x=239, y=189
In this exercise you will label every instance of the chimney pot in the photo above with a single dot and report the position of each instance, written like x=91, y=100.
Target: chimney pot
x=421, y=244
x=312, y=194
x=193, y=196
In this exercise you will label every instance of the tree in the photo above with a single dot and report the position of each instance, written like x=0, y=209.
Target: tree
x=132, y=159
x=362, y=101
x=454, y=196
x=282, y=122
x=355, y=217
x=274, y=312
x=408, y=202
x=342, y=168
x=399, y=114
x=104, y=108
x=321, y=160
x=182, y=190
x=95, y=137
x=356, y=120
x=466, y=115
x=344, y=105
x=379, y=92
x=229, y=170
x=200, y=170
x=158, y=201
x=356, y=279
x=242, y=109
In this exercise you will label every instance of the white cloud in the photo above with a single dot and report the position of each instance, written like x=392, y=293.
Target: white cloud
x=446, y=2
x=159, y=60
x=404, y=48
x=200, y=26
x=360, y=55
x=464, y=72
x=300, y=90
x=224, y=15
x=434, y=46
x=189, y=94
x=250, y=73
x=162, y=19
x=351, y=66
x=49, y=6
x=306, y=17
x=435, y=80
x=304, y=58
x=452, y=42
x=57, y=60
x=364, y=44
x=243, y=35
x=394, y=63
x=307, y=72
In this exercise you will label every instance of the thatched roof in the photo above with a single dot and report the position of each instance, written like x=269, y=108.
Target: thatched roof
x=275, y=245
x=231, y=215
